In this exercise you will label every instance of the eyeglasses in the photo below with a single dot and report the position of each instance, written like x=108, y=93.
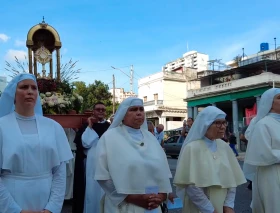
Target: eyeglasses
x=220, y=123
x=100, y=109
x=141, y=109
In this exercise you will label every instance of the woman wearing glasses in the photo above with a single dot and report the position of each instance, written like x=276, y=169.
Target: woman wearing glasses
x=207, y=172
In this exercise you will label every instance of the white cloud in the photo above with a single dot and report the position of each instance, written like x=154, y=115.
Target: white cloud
x=4, y=37
x=11, y=54
x=19, y=43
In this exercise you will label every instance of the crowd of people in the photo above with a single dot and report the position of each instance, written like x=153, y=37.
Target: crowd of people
x=121, y=166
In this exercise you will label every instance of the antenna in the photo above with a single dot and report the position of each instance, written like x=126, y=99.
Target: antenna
x=219, y=64
x=212, y=64
x=275, y=48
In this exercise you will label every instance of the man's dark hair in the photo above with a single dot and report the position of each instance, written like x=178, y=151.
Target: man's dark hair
x=190, y=118
x=97, y=103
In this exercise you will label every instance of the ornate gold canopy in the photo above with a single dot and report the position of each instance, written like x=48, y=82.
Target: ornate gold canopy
x=42, y=41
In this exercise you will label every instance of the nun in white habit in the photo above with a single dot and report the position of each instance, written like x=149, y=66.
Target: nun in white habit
x=70, y=167
x=263, y=154
x=207, y=172
x=33, y=152
x=132, y=167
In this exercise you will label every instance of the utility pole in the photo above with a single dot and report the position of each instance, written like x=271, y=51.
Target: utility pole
x=114, y=96
x=275, y=48
x=131, y=79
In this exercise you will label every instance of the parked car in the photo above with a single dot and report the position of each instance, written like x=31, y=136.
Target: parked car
x=173, y=145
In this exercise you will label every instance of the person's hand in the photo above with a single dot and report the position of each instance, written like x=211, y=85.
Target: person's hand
x=91, y=121
x=227, y=209
x=215, y=211
x=26, y=211
x=139, y=200
x=156, y=200
x=146, y=201
x=184, y=124
x=171, y=197
x=46, y=211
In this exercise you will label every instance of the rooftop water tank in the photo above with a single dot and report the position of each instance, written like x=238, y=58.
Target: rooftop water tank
x=264, y=46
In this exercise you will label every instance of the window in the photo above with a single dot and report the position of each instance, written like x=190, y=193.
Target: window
x=181, y=139
x=172, y=139
x=145, y=98
x=156, y=97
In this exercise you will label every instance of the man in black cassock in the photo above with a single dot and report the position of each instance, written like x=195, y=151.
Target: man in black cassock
x=99, y=125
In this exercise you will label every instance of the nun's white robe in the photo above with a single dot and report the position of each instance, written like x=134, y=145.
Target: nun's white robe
x=207, y=176
x=130, y=166
x=70, y=167
x=264, y=154
x=32, y=164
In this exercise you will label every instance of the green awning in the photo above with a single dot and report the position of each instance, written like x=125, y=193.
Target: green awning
x=228, y=97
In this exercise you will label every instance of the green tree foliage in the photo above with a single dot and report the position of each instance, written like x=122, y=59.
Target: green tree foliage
x=80, y=88
x=93, y=93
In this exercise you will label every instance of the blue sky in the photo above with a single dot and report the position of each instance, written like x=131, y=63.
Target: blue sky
x=147, y=33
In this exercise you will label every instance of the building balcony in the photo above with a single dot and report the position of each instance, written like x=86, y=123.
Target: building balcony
x=240, y=84
x=174, y=76
x=154, y=103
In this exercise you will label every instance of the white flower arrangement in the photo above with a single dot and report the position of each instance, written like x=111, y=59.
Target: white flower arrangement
x=55, y=103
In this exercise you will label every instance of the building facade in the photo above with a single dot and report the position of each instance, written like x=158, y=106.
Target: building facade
x=163, y=94
x=235, y=91
x=120, y=94
x=191, y=59
x=250, y=59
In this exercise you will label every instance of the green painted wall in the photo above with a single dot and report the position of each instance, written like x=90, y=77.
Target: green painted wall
x=228, y=97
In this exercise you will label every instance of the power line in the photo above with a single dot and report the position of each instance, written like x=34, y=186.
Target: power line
x=101, y=70
x=138, y=75
x=109, y=82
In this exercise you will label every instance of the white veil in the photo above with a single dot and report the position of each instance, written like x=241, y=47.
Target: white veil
x=119, y=116
x=264, y=108
x=199, y=128
x=8, y=96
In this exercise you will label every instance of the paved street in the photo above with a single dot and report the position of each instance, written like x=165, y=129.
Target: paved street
x=242, y=200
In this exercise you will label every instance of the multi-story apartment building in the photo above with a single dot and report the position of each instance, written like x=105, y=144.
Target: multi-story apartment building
x=191, y=59
x=120, y=94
